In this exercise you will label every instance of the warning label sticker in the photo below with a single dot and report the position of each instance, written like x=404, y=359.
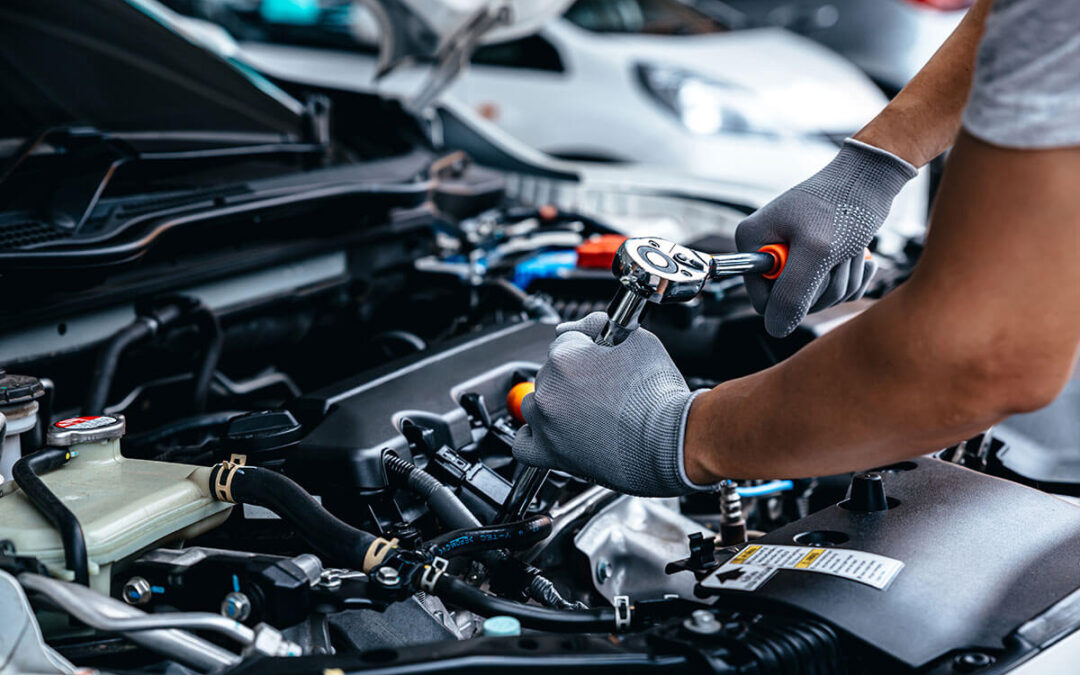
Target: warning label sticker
x=756, y=564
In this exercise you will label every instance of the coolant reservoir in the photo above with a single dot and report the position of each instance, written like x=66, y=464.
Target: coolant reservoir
x=125, y=506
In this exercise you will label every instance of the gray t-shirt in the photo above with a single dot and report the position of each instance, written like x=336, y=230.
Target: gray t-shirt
x=1026, y=89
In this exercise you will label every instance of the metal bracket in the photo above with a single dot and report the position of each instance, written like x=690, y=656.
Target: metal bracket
x=623, y=610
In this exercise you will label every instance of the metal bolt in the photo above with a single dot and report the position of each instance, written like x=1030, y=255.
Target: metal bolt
x=604, y=571
x=702, y=622
x=236, y=606
x=387, y=576
x=969, y=662
x=137, y=591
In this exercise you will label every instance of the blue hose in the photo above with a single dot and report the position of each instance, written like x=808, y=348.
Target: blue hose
x=765, y=489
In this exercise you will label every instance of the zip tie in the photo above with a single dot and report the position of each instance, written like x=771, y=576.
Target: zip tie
x=432, y=573
x=377, y=552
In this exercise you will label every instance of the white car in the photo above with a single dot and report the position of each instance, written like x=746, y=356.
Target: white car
x=646, y=81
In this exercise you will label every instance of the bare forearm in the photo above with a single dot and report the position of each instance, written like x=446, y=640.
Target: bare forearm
x=987, y=326
x=922, y=121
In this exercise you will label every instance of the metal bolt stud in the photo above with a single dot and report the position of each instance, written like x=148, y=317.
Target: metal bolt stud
x=969, y=662
x=604, y=571
x=702, y=622
x=137, y=591
x=236, y=606
x=388, y=576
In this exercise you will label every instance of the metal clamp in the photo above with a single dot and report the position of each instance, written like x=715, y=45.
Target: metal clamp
x=623, y=610
x=432, y=573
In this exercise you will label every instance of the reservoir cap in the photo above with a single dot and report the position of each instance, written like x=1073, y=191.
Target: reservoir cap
x=76, y=430
x=502, y=626
x=19, y=389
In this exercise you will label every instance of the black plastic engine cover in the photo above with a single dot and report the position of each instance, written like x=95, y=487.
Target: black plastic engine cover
x=354, y=420
x=981, y=557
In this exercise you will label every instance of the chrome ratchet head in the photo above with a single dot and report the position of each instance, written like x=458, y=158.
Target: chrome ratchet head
x=650, y=270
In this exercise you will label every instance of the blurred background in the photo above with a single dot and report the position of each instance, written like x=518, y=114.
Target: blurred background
x=750, y=96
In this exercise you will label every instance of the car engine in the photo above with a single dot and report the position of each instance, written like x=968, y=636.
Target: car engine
x=319, y=477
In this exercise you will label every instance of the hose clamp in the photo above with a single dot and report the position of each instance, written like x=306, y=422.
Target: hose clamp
x=377, y=552
x=623, y=610
x=432, y=573
x=223, y=482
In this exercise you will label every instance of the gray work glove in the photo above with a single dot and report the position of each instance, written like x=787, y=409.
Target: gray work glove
x=827, y=221
x=615, y=415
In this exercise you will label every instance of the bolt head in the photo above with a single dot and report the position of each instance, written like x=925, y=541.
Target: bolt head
x=604, y=571
x=387, y=576
x=236, y=606
x=137, y=591
x=969, y=662
x=702, y=622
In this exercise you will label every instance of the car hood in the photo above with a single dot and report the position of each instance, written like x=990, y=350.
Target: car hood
x=120, y=65
x=807, y=87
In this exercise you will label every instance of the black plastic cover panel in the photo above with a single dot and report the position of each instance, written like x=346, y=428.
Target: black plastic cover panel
x=981, y=556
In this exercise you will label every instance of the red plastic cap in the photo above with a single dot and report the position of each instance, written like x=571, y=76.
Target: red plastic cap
x=598, y=252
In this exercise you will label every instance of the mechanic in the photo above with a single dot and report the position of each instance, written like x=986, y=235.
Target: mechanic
x=988, y=325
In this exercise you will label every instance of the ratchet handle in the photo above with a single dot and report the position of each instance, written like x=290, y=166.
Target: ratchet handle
x=777, y=259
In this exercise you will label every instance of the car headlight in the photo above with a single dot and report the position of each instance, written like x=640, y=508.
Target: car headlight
x=706, y=106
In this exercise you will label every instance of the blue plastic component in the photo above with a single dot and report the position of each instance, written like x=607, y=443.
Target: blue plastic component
x=157, y=589
x=297, y=12
x=765, y=489
x=502, y=626
x=543, y=266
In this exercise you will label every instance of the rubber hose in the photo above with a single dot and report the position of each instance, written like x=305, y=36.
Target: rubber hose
x=456, y=591
x=27, y=472
x=202, y=422
x=108, y=360
x=336, y=541
x=454, y=513
x=208, y=324
x=518, y=534
x=440, y=498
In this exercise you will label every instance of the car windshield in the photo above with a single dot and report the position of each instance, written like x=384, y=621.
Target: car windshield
x=654, y=17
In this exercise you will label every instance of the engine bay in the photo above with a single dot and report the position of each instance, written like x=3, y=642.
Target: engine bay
x=320, y=478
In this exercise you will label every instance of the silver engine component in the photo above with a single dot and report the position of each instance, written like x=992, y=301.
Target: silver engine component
x=630, y=542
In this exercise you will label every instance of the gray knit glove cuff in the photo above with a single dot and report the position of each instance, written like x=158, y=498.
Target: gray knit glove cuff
x=614, y=415
x=827, y=222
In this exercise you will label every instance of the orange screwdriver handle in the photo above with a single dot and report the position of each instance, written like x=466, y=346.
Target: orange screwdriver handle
x=779, y=255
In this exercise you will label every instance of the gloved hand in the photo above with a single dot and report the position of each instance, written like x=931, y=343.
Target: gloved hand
x=616, y=415
x=827, y=221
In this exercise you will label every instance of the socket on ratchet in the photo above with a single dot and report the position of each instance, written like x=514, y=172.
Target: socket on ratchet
x=659, y=271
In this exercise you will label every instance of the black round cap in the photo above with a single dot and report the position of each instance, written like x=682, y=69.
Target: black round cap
x=867, y=493
x=263, y=430
x=19, y=389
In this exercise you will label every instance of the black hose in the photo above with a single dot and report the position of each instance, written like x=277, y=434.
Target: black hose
x=439, y=498
x=456, y=591
x=27, y=472
x=454, y=513
x=518, y=534
x=336, y=541
x=108, y=359
x=208, y=323
x=202, y=422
